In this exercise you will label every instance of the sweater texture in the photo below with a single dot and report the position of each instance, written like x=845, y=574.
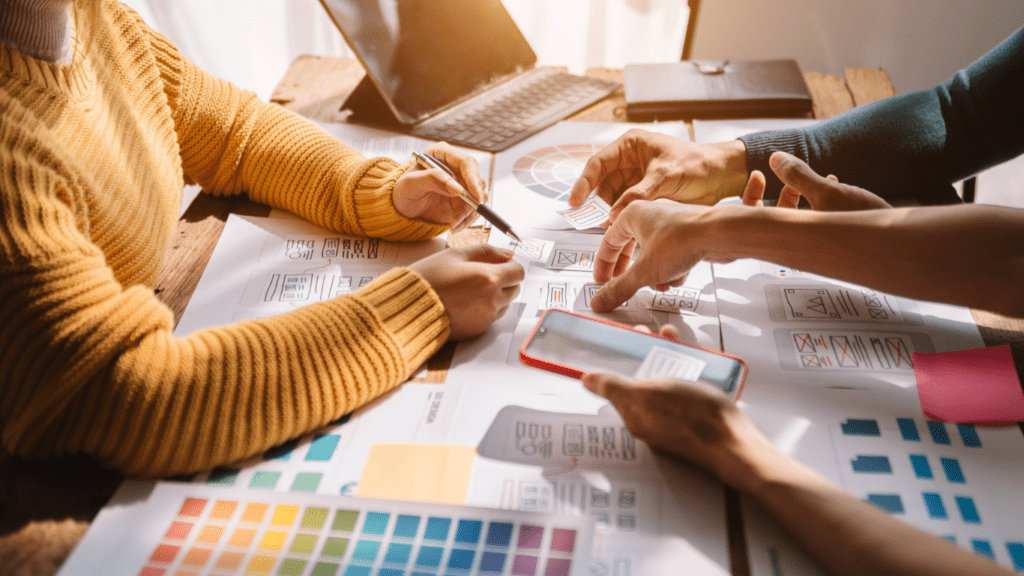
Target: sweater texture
x=916, y=145
x=93, y=158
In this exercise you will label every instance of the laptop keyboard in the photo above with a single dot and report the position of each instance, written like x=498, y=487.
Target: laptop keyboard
x=510, y=113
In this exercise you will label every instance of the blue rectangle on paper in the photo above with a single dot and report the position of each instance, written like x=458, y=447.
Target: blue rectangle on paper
x=492, y=562
x=398, y=553
x=889, y=502
x=281, y=451
x=921, y=467
x=499, y=534
x=950, y=537
x=967, y=509
x=953, y=471
x=872, y=465
x=461, y=559
x=908, y=429
x=936, y=509
x=376, y=523
x=357, y=571
x=855, y=427
x=221, y=476
x=437, y=528
x=429, y=556
x=969, y=435
x=984, y=548
x=390, y=572
x=366, y=550
x=1016, y=550
x=468, y=531
x=406, y=526
x=322, y=448
x=938, y=432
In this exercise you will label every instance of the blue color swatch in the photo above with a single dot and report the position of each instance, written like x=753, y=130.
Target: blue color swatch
x=376, y=523
x=354, y=570
x=969, y=435
x=938, y=432
x=281, y=451
x=855, y=427
x=908, y=429
x=968, y=509
x=1016, y=550
x=366, y=550
x=921, y=467
x=461, y=559
x=437, y=528
x=499, y=534
x=322, y=448
x=889, y=502
x=872, y=465
x=406, y=526
x=953, y=471
x=429, y=556
x=984, y=548
x=468, y=531
x=492, y=562
x=936, y=509
x=398, y=553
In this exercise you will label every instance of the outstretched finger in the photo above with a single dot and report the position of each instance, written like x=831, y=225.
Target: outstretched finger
x=796, y=173
x=789, y=197
x=753, y=193
x=600, y=166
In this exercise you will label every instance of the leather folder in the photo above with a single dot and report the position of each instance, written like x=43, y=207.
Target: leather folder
x=716, y=89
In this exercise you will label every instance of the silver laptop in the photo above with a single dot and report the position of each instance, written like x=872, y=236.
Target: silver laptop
x=454, y=70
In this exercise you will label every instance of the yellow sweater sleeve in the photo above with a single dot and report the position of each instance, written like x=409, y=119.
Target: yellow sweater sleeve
x=231, y=142
x=88, y=362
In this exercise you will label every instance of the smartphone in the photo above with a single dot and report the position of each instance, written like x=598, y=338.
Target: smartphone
x=572, y=345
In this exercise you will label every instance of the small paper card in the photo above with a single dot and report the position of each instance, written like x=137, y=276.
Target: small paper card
x=666, y=362
x=978, y=385
x=591, y=214
x=531, y=248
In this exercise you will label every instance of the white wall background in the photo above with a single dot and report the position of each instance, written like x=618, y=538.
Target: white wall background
x=919, y=42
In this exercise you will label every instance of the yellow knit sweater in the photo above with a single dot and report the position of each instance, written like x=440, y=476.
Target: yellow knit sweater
x=93, y=157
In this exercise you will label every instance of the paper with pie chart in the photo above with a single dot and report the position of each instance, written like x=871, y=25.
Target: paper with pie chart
x=532, y=180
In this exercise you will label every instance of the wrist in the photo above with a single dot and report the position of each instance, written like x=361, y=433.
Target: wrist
x=731, y=164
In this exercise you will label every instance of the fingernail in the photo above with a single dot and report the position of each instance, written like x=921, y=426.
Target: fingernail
x=507, y=253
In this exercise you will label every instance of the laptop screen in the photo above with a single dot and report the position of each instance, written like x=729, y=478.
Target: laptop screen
x=423, y=55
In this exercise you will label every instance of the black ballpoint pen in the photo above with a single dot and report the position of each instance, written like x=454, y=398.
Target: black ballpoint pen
x=428, y=162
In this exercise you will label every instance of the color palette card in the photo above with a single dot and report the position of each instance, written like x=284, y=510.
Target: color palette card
x=191, y=530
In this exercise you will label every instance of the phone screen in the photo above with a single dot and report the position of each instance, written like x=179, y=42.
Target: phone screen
x=586, y=344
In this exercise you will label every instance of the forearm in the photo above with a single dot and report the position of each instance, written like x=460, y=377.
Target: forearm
x=847, y=536
x=965, y=255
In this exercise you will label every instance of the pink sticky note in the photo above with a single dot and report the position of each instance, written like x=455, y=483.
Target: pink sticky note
x=970, y=385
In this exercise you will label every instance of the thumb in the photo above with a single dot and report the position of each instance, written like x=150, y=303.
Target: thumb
x=619, y=289
x=611, y=386
x=642, y=190
x=796, y=174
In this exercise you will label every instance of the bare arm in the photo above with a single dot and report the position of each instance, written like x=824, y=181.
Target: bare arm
x=698, y=423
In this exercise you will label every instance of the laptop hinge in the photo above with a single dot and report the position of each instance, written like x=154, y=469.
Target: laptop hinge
x=369, y=107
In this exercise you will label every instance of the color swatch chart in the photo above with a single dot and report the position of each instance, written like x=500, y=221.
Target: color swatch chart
x=194, y=530
x=939, y=477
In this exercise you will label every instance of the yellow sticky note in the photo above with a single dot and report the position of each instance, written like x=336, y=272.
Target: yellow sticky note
x=418, y=472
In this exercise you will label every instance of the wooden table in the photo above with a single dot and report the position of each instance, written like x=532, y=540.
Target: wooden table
x=46, y=507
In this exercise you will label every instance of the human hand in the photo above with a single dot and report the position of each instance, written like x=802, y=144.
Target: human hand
x=799, y=180
x=671, y=240
x=690, y=420
x=476, y=284
x=642, y=165
x=419, y=193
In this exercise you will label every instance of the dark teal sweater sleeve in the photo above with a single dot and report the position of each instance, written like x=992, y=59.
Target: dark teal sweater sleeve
x=915, y=145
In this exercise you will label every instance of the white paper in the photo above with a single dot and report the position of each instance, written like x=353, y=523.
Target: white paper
x=591, y=214
x=532, y=179
x=668, y=363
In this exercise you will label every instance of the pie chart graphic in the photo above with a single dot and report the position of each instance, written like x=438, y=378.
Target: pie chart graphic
x=551, y=171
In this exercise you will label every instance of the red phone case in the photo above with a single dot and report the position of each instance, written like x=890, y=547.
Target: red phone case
x=575, y=373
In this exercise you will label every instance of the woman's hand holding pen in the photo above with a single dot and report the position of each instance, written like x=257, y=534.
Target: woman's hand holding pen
x=433, y=196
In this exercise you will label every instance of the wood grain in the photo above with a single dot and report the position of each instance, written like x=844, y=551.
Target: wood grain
x=829, y=95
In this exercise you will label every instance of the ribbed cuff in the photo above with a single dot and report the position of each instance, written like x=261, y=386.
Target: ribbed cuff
x=375, y=209
x=760, y=147
x=410, y=311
